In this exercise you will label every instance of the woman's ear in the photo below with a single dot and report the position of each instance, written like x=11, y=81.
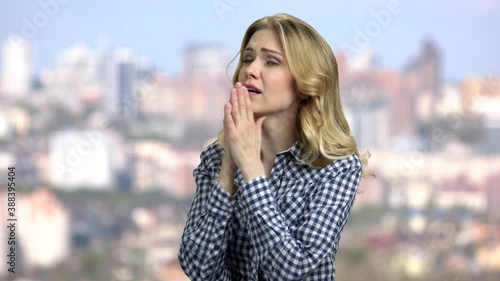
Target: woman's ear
x=302, y=96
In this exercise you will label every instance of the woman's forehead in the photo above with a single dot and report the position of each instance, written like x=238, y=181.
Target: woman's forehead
x=264, y=38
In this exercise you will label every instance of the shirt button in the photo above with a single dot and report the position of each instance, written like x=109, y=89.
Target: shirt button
x=339, y=223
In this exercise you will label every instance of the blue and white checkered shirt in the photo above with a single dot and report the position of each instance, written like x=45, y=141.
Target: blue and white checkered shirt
x=286, y=227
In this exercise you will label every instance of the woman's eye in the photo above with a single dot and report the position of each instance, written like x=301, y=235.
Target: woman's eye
x=272, y=62
x=247, y=61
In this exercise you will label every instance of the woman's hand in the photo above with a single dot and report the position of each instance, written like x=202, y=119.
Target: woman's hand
x=243, y=134
x=228, y=163
x=228, y=168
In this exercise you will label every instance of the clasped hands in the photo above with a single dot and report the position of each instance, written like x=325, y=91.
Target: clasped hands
x=242, y=136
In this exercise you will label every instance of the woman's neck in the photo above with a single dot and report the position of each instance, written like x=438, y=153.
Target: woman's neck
x=277, y=135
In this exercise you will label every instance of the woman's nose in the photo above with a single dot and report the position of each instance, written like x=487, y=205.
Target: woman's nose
x=252, y=70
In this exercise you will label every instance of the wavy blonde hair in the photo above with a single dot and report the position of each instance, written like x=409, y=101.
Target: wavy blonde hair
x=321, y=125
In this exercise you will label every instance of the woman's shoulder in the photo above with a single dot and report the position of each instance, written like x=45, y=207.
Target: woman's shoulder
x=213, y=152
x=344, y=165
x=349, y=163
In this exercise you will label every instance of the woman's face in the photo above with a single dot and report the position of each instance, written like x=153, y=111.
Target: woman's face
x=266, y=69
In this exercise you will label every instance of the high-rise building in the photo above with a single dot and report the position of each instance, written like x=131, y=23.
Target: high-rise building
x=205, y=60
x=367, y=109
x=423, y=81
x=206, y=84
x=17, y=66
x=427, y=66
x=122, y=75
x=76, y=68
x=418, y=99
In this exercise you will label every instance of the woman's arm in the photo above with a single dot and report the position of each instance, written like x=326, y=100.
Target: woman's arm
x=205, y=240
x=286, y=253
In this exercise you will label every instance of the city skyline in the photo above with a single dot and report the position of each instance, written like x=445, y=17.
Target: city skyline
x=104, y=136
x=392, y=28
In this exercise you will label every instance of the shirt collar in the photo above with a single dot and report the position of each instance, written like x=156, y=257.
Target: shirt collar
x=295, y=150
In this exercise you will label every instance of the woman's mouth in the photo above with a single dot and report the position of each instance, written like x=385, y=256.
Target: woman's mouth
x=252, y=90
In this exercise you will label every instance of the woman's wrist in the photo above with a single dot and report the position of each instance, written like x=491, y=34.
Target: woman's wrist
x=226, y=176
x=228, y=166
x=252, y=171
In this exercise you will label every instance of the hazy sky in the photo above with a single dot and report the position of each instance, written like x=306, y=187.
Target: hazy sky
x=466, y=31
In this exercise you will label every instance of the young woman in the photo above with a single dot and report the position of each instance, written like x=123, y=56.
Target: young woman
x=275, y=190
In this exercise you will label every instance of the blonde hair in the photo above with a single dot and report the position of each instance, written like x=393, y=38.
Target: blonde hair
x=321, y=125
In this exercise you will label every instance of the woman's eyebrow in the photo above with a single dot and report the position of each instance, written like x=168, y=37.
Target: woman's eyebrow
x=264, y=50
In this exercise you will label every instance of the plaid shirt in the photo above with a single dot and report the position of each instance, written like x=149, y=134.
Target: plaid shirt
x=286, y=227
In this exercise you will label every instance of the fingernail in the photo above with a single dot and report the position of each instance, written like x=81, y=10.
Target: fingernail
x=238, y=84
x=233, y=92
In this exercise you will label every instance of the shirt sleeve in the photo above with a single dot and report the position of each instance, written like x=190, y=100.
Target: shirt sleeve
x=286, y=254
x=204, y=240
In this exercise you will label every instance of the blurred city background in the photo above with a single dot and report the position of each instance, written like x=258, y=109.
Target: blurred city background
x=105, y=108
